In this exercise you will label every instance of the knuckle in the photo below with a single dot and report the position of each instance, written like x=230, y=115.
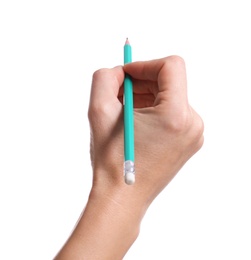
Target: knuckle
x=96, y=111
x=200, y=132
x=174, y=61
x=99, y=74
x=198, y=127
x=196, y=132
x=179, y=123
x=188, y=124
x=177, y=60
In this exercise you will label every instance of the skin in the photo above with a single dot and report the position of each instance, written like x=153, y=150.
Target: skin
x=168, y=132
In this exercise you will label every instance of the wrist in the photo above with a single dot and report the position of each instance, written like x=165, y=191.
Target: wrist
x=111, y=214
x=109, y=224
x=116, y=194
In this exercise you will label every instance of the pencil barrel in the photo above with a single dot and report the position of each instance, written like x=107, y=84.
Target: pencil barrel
x=128, y=119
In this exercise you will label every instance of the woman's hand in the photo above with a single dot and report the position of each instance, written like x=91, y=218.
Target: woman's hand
x=167, y=130
x=167, y=133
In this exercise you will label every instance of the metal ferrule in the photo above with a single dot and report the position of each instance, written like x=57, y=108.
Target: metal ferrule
x=129, y=167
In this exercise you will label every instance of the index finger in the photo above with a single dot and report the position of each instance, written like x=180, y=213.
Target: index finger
x=169, y=73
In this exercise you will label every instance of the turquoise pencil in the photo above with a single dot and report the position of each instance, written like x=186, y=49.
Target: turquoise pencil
x=129, y=171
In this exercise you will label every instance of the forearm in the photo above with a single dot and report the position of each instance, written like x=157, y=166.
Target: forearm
x=107, y=227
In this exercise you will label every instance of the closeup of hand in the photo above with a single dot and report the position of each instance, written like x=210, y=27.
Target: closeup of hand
x=167, y=130
x=167, y=133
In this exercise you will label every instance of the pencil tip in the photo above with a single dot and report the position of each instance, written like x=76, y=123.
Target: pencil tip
x=127, y=41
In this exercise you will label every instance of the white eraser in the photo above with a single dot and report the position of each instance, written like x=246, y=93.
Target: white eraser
x=129, y=178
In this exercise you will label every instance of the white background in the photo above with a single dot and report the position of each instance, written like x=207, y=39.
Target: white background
x=48, y=52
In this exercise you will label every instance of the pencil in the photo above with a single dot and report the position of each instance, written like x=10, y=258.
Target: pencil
x=129, y=171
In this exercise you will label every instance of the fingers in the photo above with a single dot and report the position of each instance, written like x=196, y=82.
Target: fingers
x=163, y=79
x=105, y=87
x=169, y=73
x=142, y=87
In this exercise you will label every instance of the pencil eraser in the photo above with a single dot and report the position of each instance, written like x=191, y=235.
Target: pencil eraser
x=129, y=178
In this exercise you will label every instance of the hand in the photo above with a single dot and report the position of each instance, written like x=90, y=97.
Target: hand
x=167, y=133
x=167, y=130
